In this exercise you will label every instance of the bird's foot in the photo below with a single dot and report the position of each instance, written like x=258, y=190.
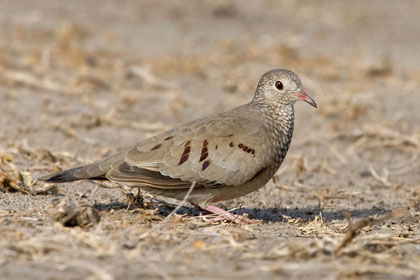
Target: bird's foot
x=225, y=215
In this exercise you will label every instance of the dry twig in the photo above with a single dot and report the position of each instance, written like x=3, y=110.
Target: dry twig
x=354, y=229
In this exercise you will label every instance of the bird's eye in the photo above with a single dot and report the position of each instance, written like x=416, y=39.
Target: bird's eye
x=279, y=85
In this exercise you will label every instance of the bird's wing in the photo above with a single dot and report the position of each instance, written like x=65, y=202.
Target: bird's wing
x=224, y=150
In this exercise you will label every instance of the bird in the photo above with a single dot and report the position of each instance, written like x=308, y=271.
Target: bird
x=214, y=158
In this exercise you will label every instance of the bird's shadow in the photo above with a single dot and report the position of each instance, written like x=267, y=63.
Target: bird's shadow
x=265, y=215
x=308, y=213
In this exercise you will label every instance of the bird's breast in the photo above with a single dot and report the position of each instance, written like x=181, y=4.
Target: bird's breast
x=282, y=132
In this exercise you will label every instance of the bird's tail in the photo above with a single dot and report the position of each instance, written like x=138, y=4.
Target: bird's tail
x=94, y=171
x=73, y=174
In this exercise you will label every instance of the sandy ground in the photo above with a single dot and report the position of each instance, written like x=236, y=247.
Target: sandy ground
x=82, y=79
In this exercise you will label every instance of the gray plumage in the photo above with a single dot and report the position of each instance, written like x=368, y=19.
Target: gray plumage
x=227, y=155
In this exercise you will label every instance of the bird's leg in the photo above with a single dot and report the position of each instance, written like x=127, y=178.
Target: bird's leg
x=320, y=211
x=225, y=215
x=166, y=220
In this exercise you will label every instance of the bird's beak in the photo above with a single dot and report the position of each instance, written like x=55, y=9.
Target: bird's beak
x=303, y=96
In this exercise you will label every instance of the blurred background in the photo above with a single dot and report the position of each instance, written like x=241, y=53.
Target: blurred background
x=80, y=80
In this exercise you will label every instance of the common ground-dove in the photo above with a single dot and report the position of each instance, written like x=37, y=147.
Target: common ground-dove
x=226, y=155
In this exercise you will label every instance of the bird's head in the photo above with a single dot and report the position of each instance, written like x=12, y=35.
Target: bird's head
x=281, y=87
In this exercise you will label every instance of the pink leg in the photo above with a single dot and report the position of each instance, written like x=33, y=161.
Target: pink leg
x=225, y=215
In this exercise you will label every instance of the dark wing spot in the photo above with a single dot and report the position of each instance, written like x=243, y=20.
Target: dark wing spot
x=216, y=147
x=169, y=138
x=183, y=159
x=185, y=154
x=156, y=147
x=204, y=151
x=205, y=164
x=204, y=154
x=231, y=144
x=186, y=150
x=246, y=148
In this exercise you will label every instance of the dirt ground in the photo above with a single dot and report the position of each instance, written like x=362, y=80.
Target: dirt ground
x=80, y=80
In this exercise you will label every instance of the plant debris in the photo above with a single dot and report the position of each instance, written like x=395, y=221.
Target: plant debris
x=74, y=214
